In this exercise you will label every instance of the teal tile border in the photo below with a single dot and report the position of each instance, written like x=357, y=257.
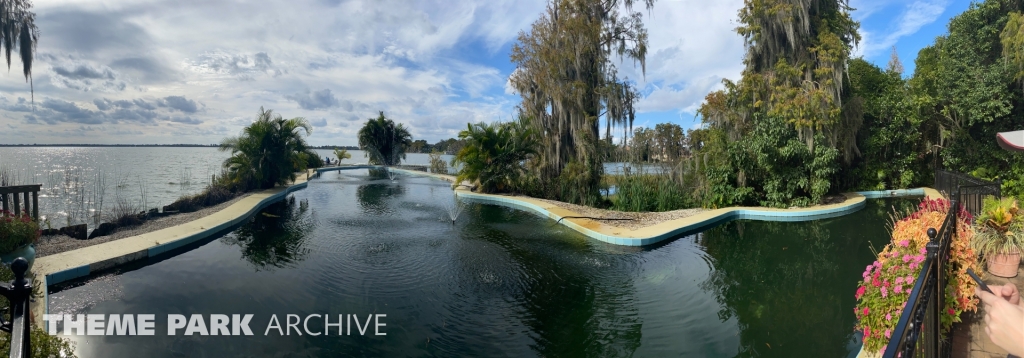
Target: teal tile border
x=84, y=270
x=743, y=213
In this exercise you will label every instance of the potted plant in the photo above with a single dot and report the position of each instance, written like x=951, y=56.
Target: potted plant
x=998, y=235
x=17, y=234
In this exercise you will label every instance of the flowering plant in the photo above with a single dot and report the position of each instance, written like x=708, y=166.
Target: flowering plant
x=16, y=231
x=887, y=282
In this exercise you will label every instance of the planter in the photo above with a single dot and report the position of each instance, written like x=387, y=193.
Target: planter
x=1004, y=265
x=27, y=251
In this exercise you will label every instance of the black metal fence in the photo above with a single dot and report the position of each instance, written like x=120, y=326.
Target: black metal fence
x=918, y=332
x=18, y=293
x=972, y=190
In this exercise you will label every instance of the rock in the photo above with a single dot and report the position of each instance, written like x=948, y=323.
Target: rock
x=80, y=232
x=103, y=230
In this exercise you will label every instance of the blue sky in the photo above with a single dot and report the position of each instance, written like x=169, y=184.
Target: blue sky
x=163, y=71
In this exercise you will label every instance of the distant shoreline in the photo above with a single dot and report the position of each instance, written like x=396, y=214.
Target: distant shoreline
x=155, y=145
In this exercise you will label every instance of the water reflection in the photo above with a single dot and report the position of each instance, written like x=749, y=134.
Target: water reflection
x=788, y=285
x=277, y=236
x=570, y=308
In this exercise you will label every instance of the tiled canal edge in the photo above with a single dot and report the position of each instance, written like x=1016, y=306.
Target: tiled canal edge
x=65, y=266
x=69, y=265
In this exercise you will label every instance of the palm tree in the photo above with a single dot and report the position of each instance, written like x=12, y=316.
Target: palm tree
x=342, y=154
x=384, y=141
x=269, y=152
x=495, y=155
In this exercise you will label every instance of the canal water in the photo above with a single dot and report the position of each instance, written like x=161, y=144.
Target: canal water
x=499, y=282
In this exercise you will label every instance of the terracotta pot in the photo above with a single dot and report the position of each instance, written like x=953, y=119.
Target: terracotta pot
x=1004, y=265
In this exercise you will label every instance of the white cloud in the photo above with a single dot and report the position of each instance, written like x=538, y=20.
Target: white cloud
x=915, y=15
x=336, y=61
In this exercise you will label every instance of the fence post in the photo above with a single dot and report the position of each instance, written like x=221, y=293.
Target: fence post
x=934, y=331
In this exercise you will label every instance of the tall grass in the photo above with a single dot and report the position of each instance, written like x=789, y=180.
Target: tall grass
x=644, y=192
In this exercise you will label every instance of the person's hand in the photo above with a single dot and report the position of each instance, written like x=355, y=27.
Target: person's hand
x=1007, y=292
x=1004, y=321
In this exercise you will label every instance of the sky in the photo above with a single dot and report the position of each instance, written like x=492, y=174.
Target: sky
x=197, y=71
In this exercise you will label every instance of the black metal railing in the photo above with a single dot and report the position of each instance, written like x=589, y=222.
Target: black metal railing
x=918, y=332
x=972, y=190
x=18, y=293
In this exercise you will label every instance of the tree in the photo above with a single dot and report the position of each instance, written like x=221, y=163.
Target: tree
x=794, y=79
x=1012, y=39
x=566, y=76
x=894, y=66
x=495, y=154
x=268, y=152
x=669, y=138
x=384, y=141
x=419, y=146
x=18, y=31
x=342, y=154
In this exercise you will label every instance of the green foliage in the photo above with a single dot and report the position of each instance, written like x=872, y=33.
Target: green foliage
x=384, y=141
x=1012, y=39
x=999, y=228
x=313, y=160
x=17, y=231
x=437, y=165
x=495, y=154
x=342, y=154
x=649, y=192
x=567, y=77
x=891, y=138
x=268, y=153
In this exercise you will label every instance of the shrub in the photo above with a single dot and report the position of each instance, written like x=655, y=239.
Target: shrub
x=495, y=155
x=999, y=228
x=437, y=165
x=16, y=231
x=268, y=152
x=887, y=283
x=649, y=192
x=213, y=195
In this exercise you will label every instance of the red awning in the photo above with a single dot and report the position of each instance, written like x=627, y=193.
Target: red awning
x=1011, y=141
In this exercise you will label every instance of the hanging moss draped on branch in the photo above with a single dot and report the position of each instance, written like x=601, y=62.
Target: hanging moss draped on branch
x=568, y=81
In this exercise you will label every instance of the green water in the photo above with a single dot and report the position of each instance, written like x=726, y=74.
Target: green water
x=500, y=282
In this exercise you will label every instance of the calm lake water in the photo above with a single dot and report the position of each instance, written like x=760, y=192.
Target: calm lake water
x=78, y=182
x=499, y=282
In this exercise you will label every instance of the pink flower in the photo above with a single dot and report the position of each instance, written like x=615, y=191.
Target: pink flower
x=899, y=280
x=909, y=279
x=923, y=251
x=885, y=292
x=898, y=289
x=888, y=333
x=867, y=332
x=866, y=311
x=950, y=311
x=888, y=317
x=860, y=291
x=877, y=264
x=919, y=258
x=906, y=258
x=904, y=243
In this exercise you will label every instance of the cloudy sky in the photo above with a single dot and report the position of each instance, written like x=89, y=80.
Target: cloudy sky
x=195, y=71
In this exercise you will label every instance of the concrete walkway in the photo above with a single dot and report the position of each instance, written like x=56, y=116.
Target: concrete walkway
x=69, y=265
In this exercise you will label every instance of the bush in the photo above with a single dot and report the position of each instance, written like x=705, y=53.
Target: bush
x=213, y=195
x=16, y=231
x=887, y=284
x=648, y=192
x=495, y=155
x=437, y=165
